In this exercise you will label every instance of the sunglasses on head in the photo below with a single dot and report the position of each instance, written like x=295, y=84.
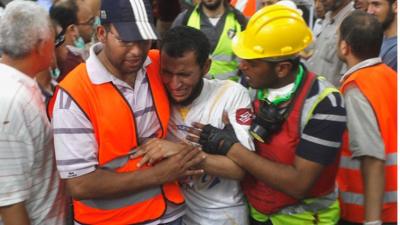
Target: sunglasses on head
x=60, y=38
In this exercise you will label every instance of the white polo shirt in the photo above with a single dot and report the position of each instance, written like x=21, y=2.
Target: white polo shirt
x=76, y=145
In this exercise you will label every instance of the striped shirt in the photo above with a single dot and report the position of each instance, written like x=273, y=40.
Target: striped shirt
x=321, y=137
x=76, y=145
x=27, y=170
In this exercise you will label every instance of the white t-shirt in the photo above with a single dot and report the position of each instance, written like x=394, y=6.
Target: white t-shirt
x=27, y=169
x=214, y=200
x=76, y=145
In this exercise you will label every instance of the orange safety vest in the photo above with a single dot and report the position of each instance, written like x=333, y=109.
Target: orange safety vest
x=246, y=7
x=379, y=85
x=116, y=135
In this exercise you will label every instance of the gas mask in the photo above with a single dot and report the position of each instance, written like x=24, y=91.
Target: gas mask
x=271, y=115
x=268, y=120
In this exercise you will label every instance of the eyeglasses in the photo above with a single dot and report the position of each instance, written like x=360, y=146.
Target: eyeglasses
x=60, y=38
x=90, y=22
x=127, y=44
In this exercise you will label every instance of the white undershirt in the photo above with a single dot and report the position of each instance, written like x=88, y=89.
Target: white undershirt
x=214, y=21
x=277, y=93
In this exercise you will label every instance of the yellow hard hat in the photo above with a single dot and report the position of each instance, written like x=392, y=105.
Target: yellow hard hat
x=274, y=31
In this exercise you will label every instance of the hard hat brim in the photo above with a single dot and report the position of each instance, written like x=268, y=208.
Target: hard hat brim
x=240, y=49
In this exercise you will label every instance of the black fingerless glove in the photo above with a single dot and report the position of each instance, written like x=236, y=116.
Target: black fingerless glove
x=217, y=141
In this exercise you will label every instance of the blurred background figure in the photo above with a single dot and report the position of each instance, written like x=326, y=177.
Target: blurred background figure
x=386, y=12
x=361, y=5
x=86, y=21
x=167, y=12
x=220, y=22
x=78, y=23
x=324, y=60
x=319, y=17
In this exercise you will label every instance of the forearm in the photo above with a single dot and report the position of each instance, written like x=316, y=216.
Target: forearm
x=222, y=166
x=285, y=178
x=14, y=214
x=373, y=173
x=107, y=184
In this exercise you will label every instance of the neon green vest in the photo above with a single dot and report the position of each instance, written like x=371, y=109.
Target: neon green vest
x=224, y=62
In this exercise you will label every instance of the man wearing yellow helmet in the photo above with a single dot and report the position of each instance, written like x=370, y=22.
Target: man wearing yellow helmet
x=300, y=119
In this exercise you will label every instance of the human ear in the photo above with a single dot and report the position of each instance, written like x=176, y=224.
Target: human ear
x=283, y=69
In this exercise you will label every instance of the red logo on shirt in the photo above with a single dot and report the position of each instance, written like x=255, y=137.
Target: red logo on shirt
x=244, y=116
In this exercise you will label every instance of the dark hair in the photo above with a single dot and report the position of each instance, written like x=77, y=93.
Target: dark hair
x=182, y=39
x=64, y=13
x=363, y=33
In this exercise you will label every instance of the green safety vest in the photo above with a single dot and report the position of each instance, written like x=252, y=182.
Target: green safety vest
x=224, y=62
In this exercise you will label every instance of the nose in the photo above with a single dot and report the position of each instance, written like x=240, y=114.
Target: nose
x=173, y=81
x=176, y=82
x=370, y=10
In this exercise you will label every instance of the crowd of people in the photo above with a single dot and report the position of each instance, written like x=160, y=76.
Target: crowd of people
x=206, y=112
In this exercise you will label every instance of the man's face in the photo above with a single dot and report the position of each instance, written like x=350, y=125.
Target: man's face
x=211, y=4
x=259, y=74
x=125, y=57
x=319, y=9
x=181, y=76
x=86, y=20
x=383, y=11
x=47, y=53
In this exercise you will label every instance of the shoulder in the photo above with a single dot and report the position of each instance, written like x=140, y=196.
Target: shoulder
x=227, y=86
x=240, y=18
x=16, y=92
x=182, y=18
x=154, y=55
x=326, y=98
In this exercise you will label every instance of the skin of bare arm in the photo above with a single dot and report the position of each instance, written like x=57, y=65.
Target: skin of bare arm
x=107, y=184
x=15, y=214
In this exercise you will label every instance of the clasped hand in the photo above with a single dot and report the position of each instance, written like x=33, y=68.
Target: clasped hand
x=213, y=140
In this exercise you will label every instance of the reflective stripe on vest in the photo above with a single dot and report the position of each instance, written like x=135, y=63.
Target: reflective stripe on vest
x=358, y=199
x=240, y=5
x=354, y=164
x=224, y=62
x=311, y=205
x=246, y=7
x=328, y=216
x=116, y=203
x=311, y=103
